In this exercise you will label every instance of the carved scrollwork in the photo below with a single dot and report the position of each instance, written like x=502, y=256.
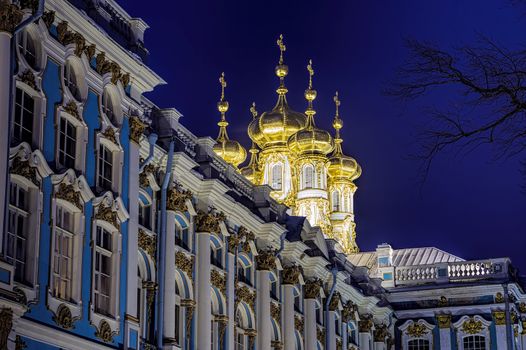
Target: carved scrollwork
x=218, y=280
x=71, y=108
x=104, y=332
x=177, y=198
x=444, y=320
x=416, y=330
x=365, y=323
x=28, y=78
x=312, y=288
x=6, y=323
x=348, y=311
x=63, y=317
x=335, y=300
x=137, y=127
x=148, y=243
x=68, y=193
x=380, y=333
x=275, y=312
x=48, y=17
x=10, y=16
x=184, y=263
x=472, y=326
x=22, y=168
x=209, y=222
x=107, y=214
x=291, y=274
x=266, y=260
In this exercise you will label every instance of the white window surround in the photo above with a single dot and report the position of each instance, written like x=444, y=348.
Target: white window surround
x=81, y=138
x=116, y=206
x=80, y=186
x=428, y=332
x=36, y=160
x=484, y=332
x=117, y=161
x=110, y=104
x=33, y=32
x=74, y=71
x=39, y=111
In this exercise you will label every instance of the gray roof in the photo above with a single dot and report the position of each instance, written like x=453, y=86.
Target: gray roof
x=405, y=257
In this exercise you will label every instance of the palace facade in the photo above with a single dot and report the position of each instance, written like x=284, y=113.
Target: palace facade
x=123, y=230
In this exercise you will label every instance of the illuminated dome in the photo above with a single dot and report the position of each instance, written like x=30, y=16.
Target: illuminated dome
x=273, y=128
x=340, y=165
x=230, y=150
x=311, y=140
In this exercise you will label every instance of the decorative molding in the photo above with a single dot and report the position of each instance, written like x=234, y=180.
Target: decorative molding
x=365, y=323
x=148, y=243
x=177, y=198
x=137, y=127
x=472, y=326
x=28, y=78
x=312, y=288
x=416, y=330
x=499, y=317
x=184, y=263
x=209, y=222
x=71, y=108
x=444, y=321
x=380, y=333
x=67, y=192
x=10, y=16
x=266, y=260
x=335, y=301
x=218, y=280
x=6, y=323
x=106, y=213
x=104, y=332
x=291, y=274
x=22, y=168
x=63, y=317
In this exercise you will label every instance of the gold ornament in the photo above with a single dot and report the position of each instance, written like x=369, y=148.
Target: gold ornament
x=6, y=323
x=28, y=78
x=348, y=311
x=380, y=333
x=107, y=214
x=104, y=332
x=416, y=330
x=68, y=193
x=71, y=108
x=266, y=260
x=444, y=320
x=48, y=17
x=298, y=324
x=177, y=198
x=10, y=16
x=218, y=280
x=499, y=298
x=148, y=243
x=109, y=133
x=499, y=317
x=291, y=274
x=137, y=127
x=312, y=288
x=472, y=326
x=184, y=263
x=335, y=301
x=209, y=222
x=365, y=323
x=63, y=317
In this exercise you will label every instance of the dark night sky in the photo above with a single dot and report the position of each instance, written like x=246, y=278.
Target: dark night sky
x=471, y=204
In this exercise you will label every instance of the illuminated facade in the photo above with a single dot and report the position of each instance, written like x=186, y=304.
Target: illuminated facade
x=123, y=230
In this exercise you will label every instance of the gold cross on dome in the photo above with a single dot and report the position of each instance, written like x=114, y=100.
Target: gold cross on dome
x=336, y=102
x=222, y=81
x=253, y=110
x=311, y=73
x=282, y=48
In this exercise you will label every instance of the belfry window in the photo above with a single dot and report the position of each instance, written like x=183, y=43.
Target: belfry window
x=336, y=200
x=308, y=176
x=103, y=267
x=67, y=143
x=277, y=177
x=17, y=232
x=421, y=344
x=23, y=118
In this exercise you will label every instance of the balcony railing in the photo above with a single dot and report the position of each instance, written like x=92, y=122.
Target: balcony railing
x=462, y=271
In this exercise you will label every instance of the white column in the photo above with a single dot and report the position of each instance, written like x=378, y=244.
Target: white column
x=344, y=335
x=132, y=263
x=444, y=326
x=522, y=336
x=263, y=310
x=379, y=345
x=204, y=304
x=231, y=273
x=310, y=335
x=5, y=81
x=169, y=282
x=365, y=340
x=330, y=331
x=499, y=318
x=288, y=317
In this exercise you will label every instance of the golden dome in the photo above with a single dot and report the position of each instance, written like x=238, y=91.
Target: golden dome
x=230, y=150
x=340, y=165
x=311, y=140
x=251, y=170
x=273, y=128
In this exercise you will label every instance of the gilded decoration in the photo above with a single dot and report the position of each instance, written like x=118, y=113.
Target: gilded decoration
x=109, y=133
x=499, y=298
x=244, y=294
x=189, y=305
x=148, y=243
x=218, y=281
x=28, y=78
x=177, y=198
x=266, y=260
x=275, y=312
x=209, y=222
x=71, y=108
x=276, y=344
x=6, y=323
x=150, y=287
x=19, y=343
x=125, y=79
x=320, y=334
x=10, y=16
x=22, y=168
x=107, y=214
x=184, y=263
x=335, y=300
x=291, y=274
x=104, y=332
x=102, y=66
x=245, y=236
x=365, y=324
x=143, y=177
x=137, y=127
x=222, y=322
x=68, y=193
x=380, y=333
x=499, y=317
x=298, y=324
x=348, y=311
x=442, y=302
x=523, y=327
x=472, y=326
x=63, y=317
x=312, y=288
x=522, y=308
x=416, y=330
x=339, y=344
x=444, y=321
x=89, y=51
x=251, y=333
x=233, y=242
x=48, y=17
x=115, y=70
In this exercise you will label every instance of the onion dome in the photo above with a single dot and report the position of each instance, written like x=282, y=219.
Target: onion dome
x=251, y=170
x=311, y=140
x=231, y=151
x=273, y=128
x=340, y=165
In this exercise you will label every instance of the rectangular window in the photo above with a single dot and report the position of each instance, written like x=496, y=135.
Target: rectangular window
x=105, y=168
x=63, y=254
x=23, y=118
x=145, y=213
x=103, y=271
x=17, y=232
x=67, y=144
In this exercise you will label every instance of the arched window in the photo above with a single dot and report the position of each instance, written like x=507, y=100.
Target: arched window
x=244, y=270
x=308, y=176
x=110, y=106
x=103, y=270
x=18, y=231
x=336, y=200
x=418, y=344
x=145, y=215
x=273, y=286
x=27, y=47
x=473, y=342
x=72, y=81
x=277, y=176
x=351, y=333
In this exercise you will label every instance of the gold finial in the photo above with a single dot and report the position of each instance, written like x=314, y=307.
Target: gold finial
x=222, y=105
x=222, y=81
x=253, y=110
x=337, y=124
x=282, y=48
x=311, y=73
x=337, y=103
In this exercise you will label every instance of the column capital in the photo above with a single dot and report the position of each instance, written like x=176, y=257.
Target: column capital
x=365, y=323
x=335, y=301
x=444, y=320
x=312, y=288
x=10, y=16
x=500, y=317
x=177, y=197
x=137, y=127
x=184, y=263
x=291, y=274
x=209, y=221
x=266, y=260
x=348, y=311
x=380, y=333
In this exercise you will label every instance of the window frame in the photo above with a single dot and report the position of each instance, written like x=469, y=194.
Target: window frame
x=117, y=163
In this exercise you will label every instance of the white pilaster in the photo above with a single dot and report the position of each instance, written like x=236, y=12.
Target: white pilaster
x=263, y=310
x=365, y=341
x=5, y=81
x=231, y=273
x=310, y=325
x=344, y=335
x=379, y=345
x=500, y=331
x=169, y=282
x=445, y=338
x=288, y=317
x=204, y=303
x=330, y=331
